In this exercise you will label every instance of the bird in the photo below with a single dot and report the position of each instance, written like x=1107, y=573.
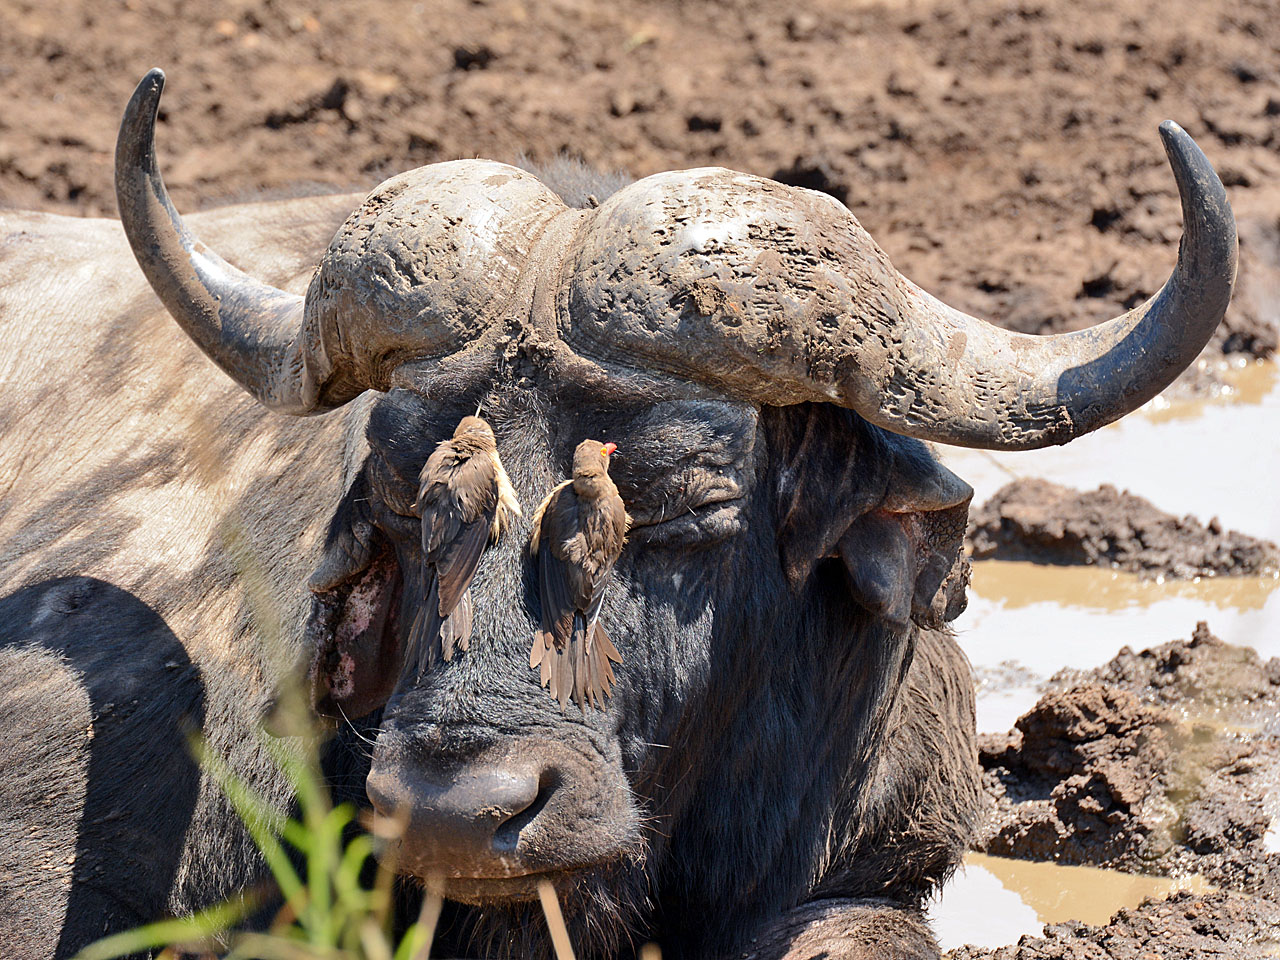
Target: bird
x=578, y=534
x=466, y=502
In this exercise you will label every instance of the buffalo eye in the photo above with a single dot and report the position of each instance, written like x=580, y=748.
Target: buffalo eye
x=694, y=505
x=687, y=472
x=392, y=497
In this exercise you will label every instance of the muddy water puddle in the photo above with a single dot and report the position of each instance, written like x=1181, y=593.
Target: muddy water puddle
x=1025, y=622
x=993, y=901
x=1216, y=456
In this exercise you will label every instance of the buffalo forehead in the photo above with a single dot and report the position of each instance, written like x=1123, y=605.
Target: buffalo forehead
x=663, y=433
x=432, y=256
x=720, y=276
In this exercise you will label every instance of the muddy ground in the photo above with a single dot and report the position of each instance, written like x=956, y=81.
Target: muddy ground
x=1186, y=926
x=1162, y=762
x=1003, y=152
x=1044, y=522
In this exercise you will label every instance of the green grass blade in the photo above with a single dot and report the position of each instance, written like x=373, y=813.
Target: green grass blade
x=262, y=946
x=416, y=944
x=258, y=818
x=164, y=933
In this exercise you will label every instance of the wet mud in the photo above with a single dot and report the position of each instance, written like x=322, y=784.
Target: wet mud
x=1044, y=522
x=1196, y=716
x=1186, y=926
x=1163, y=762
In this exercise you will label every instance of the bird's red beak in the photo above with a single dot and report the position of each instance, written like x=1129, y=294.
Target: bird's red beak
x=607, y=449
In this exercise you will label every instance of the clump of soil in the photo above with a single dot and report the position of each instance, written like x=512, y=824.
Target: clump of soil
x=1045, y=522
x=1204, y=671
x=1159, y=762
x=1073, y=781
x=1185, y=926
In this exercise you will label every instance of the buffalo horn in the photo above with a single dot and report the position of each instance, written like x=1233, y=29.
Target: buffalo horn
x=1020, y=392
x=253, y=331
x=779, y=296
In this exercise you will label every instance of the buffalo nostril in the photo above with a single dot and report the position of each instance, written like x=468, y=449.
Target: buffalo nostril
x=384, y=792
x=476, y=812
x=507, y=836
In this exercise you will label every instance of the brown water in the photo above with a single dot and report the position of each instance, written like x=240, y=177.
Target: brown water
x=1247, y=384
x=994, y=900
x=1015, y=585
x=1026, y=622
x=1209, y=456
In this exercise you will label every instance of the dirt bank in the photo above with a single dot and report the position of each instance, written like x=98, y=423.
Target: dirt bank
x=1004, y=152
x=1045, y=522
x=1160, y=762
x=1186, y=926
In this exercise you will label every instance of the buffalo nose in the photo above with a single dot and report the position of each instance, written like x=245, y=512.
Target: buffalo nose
x=466, y=819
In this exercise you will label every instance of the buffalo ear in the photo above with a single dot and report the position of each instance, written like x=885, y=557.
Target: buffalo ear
x=351, y=656
x=832, y=472
x=908, y=566
x=884, y=506
x=919, y=529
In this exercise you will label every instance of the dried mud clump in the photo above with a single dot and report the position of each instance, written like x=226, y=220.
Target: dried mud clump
x=1202, y=669
x=1074, y=780
x=1186, y=926
x=1046, y=522
x=1162, y=762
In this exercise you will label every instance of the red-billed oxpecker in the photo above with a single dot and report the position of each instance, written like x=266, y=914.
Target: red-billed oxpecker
x=465, y=501
x=578, y=533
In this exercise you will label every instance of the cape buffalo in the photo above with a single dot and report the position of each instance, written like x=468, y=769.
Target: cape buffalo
x=786, y=765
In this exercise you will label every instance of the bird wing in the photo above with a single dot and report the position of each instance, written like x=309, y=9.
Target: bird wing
x=457, y=503
x=576, y=541
x=535, y=538
x=455, y=632
x=589, y=577
x=455, y=562
x=420, y=647
x=554, y=521
x=608, y=531
x=557, y=595
x=572, y=650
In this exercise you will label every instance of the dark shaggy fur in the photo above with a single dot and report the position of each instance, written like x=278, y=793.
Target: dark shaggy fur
x=780, y=741
x=577, y=184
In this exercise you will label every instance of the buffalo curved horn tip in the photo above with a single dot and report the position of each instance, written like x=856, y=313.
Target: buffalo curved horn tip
x=251, y=330
x=1012, y=391
x=1147, y=348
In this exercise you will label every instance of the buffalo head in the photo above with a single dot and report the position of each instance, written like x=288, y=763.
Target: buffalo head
x=768, y=378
